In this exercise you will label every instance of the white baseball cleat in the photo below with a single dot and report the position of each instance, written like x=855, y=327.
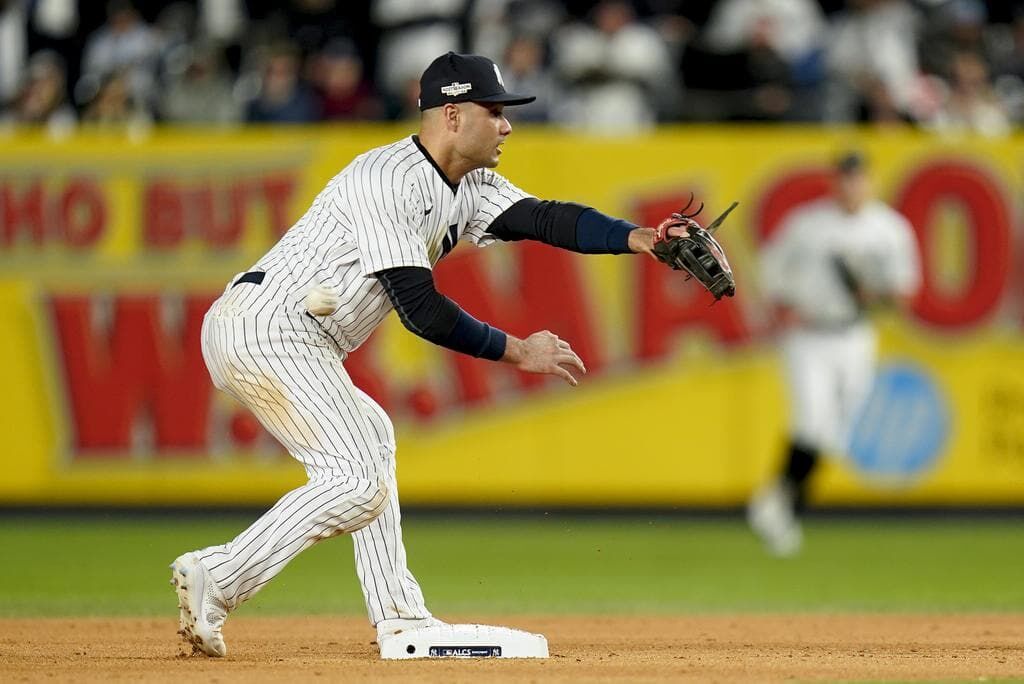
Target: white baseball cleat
x=462, y=641
x=771, y=516
x=201, y=607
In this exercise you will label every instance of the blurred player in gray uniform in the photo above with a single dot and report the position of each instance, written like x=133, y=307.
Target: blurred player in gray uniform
x=830, y=261
x=277, y=339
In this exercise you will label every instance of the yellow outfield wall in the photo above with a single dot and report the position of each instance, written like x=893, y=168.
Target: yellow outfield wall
x=111, y=250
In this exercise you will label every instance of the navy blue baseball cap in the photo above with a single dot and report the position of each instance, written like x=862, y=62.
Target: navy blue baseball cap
x=465, y=78
x=851, y=161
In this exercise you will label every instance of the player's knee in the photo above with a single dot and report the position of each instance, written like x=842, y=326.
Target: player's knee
x=371, y=505
x=809, y=434
x=353, y=513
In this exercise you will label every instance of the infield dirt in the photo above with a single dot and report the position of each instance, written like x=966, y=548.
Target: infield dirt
x=738, y=648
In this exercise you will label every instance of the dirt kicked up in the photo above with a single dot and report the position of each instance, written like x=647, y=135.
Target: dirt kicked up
x=737, y=648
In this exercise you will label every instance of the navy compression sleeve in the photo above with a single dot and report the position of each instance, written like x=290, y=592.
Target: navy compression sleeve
x=428, y=313
x=563, y=224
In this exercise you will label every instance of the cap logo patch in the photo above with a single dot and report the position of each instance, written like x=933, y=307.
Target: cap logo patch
x=498, y=74
x=456, y=89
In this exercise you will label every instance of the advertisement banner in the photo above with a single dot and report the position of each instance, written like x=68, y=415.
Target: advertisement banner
x=111, y=251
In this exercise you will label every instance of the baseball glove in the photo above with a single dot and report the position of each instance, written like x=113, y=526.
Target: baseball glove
x=699, y=254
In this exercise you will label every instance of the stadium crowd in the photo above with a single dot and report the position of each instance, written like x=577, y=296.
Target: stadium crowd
x=609, y=66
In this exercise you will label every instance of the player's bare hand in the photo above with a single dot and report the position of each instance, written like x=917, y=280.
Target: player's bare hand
x=641, y=240
x=544, y=352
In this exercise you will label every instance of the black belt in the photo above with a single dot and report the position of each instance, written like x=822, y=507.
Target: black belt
x=254, y=277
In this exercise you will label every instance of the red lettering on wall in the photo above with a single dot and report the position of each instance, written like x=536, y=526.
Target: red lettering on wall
x=220, y=214
x=214, y=210
x=113, y=376
x=163, y=215
x=83, y=213
x=669, y=306
x=75, y=213
x=548, y=294
x=988, y=228
x=277, y=193
x=23, y=211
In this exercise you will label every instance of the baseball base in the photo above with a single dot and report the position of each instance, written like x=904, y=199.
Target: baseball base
x=463, y=641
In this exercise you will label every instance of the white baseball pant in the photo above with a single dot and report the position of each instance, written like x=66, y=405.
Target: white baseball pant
x=829, y=373
x=289, y=374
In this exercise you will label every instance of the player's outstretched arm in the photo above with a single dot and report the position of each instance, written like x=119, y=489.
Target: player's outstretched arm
x=678, y=241
x=427, y=313
x=574, y=227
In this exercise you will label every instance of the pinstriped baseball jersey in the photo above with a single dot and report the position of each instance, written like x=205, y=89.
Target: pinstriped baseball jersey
x=390, y=207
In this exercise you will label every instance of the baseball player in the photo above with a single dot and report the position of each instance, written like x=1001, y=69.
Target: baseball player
x=830, y=261
x=277, y=339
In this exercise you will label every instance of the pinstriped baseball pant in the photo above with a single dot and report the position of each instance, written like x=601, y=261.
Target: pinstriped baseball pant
x=290, y=376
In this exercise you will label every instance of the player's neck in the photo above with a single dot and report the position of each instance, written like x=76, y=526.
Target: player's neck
x=852, y=208
x=445, y=158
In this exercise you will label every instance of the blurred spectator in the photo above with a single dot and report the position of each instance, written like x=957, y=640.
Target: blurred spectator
x=413, y=33
x=616, y=65
x=971, y=105
x=42, y=100
x=953, y=27
x=55, y=18
x=115, y=106
x=221, y=20
x=312, y=24
x=176, y=25
x=343, y=91
x=875, y=103
x=199, y=88
x=13, y=46
x=790, y=28
x=613, y=67
x=406, y=105
x=1009, y=59
x=283, y=97
x=753, y=59
x=1008, y=66
x=872, y=61
x=493, y=24
x=127, y=44
x=524, y=72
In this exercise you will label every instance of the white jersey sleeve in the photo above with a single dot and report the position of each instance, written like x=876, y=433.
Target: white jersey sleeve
x=903, y=263
x=885, y=259
x=384, y=232
x=780, y=258
x=494, y=195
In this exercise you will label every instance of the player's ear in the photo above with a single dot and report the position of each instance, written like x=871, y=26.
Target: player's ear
x=452, y=116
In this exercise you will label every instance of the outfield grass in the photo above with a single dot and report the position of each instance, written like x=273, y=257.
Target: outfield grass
x=117, y=565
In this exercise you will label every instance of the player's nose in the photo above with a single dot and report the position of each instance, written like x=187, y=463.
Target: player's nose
x=506, y=127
